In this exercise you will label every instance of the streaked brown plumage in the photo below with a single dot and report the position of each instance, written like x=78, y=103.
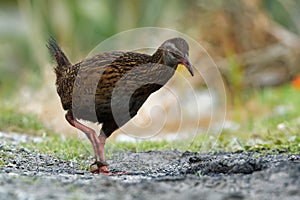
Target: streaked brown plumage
x=110, y=88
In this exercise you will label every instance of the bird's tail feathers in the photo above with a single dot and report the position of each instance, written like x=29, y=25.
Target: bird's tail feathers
x=61, y=59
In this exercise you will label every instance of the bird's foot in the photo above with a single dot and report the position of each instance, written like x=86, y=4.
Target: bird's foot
x=100, y=167
x=100, y=170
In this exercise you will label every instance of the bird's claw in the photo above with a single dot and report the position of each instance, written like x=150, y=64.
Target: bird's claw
x=101, y=170
x=99, y=167
x=100, y=163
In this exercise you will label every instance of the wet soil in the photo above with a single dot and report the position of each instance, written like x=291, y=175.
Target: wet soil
x=26, y=174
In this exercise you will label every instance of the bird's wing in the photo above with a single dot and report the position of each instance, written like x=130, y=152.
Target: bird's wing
x=133, y=89
x=91, y=71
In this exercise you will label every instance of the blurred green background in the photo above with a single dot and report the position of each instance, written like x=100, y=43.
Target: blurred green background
x=225, y=27
x=256, y=45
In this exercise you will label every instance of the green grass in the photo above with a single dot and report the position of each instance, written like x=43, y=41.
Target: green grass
x=272, y=122
x=12, y=120
x=70, y=148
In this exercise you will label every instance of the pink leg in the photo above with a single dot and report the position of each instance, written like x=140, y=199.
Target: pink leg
x=102, y=168
x=98, y=143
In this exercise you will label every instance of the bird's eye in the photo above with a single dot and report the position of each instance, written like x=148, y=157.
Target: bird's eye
x=176, y=55
x=173, y=54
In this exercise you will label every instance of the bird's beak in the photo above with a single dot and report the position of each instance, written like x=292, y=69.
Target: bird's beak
x=186, y=62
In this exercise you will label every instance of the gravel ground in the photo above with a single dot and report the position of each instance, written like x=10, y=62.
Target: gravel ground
x=172, y=174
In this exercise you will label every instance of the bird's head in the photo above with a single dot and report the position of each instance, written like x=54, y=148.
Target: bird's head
x=176, y=51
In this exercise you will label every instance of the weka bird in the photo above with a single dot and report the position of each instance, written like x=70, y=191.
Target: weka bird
x=110, y=88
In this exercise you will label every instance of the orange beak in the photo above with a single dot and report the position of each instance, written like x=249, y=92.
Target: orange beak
x=186, y=62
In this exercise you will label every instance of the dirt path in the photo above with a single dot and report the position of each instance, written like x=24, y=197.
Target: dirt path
x=172, y=174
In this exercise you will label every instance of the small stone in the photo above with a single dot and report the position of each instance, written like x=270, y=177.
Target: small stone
x=292, y=158
x=186, y=165
x=13, y=174
x=8, y=170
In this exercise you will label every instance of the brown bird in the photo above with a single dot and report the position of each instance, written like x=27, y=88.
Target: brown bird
x=110, y=88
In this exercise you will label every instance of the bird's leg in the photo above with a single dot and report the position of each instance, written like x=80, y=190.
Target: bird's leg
x=107, y=129
x=102, y=168
x=98, y=146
